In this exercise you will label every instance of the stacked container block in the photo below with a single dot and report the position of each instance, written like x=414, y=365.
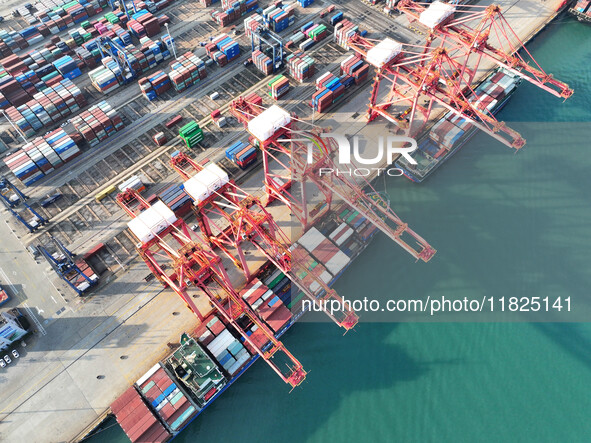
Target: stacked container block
x=47, y=107
x=343, y=31
x=233, y=10
x=278, y=87
x=41, y=156
x=192, y=134
x=223, y=49
x=300, y=66
x=242, y=154
x=276, y=18
x=98, y=123
x=186, y=71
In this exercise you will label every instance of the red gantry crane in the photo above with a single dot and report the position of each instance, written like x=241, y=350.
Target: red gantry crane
x=166, y=242
x=421, y=76
x=229, y=216
x=283, y=131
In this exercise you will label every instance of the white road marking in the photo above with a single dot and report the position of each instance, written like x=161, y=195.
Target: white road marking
x=53, y=299
x=9, y=282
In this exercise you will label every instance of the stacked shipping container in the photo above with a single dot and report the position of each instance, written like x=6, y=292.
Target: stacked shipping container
x=166, y=398
x=186, y=71
x=97, y=123
x=233, y=10
x=47, y=107
x=191, y=133
x=278, y=87
x=300, y=66
x=41, y=156
x=223, y=49
x=177, y=200
x=154, y=85
x=241, y=153
x=343, y=31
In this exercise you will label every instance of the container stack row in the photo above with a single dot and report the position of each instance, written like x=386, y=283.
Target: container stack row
x=278, y=87
x=67, y=67
x=336, y=18
x=98, y=123
x=223, y=49
x=266, y=304
x=356, y=68
x=191, y=133
x=154, y=85
x=242, y=154
x=330, y=89
x=305, y=3
x=232, y=11
x=207, y=3
x=252, y=23
x=177, y=200
x=109, y=76
x=47, y=107
x=186, y=71
x=278, y=18
x=343, y=31
x=41, y=156
x=143, y=24
x=300, y=66
x=262, y=62
x=225, y=348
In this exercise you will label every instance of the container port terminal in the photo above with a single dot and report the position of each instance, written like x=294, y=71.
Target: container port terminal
x=107, y=337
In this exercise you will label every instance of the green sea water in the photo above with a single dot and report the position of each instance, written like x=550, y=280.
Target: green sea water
x=503, y=224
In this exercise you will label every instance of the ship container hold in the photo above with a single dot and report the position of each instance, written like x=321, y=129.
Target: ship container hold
x=167, y=399
x=136, y=420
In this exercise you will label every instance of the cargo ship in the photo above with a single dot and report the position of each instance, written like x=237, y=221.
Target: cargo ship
x=582, y=11
x=451, y=132
x=211, y=358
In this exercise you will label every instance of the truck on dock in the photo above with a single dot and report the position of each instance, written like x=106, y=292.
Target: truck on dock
x=4, y=297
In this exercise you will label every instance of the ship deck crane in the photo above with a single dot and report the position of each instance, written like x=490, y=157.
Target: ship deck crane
x=420, y=77
x=348, y=190
x=248, y=220
x=12, y=197
x=483, y=31
x=62, y=262
x=195, y=266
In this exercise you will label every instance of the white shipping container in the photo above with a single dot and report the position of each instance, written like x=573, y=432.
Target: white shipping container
x=337, y=263
x=311, y=239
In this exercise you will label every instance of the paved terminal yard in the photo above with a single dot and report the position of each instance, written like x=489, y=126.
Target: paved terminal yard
x=86, y=351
